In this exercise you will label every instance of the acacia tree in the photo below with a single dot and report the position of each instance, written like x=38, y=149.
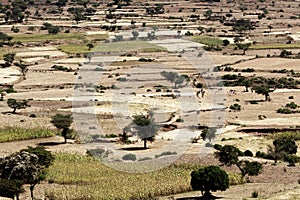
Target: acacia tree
x=27, y=166
x=63, y=122
x=283, y=149
x=23, y=68
x=210, y=178
x=173, y=77
x=243, y=46
x=262, y=89
x=17, y=104
x=145, y=127
x=228, y=155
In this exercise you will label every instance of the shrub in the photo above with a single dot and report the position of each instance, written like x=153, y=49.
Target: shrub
x=235, y=107
x=129, y=156
x=248, y=70
x=167, y=153
x=254, y=194
x=248, y=153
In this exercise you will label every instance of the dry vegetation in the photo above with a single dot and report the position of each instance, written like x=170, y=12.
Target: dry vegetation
x=121, y=78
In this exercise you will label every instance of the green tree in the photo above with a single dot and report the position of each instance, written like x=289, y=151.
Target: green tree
x=17, y=104
x=173, y=77
x=243, y=46
x=262, y=89
x=9, y=59
x=23, y=68
x=208, y=133
x=249, y=168
x=210, y=178
x=63, y=122
x=228, y=155
x=146, y=127
x=10, y=188
x=135, y=34
x=90, y=46
x=28, y=168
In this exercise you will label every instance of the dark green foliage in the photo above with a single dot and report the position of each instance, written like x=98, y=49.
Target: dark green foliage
x=226, y=42
x=242, y=25
x=90, y=46
x=10, y=188
x=291, y=105
x=61, y=68
x=9, y=59
x=145, y=127
x=230, y=77
x=167, y=153
x=173, y=77
x=17, y=104
x=285, y=54
x=228, y=155
x=291, y=159
x=288, y=146
x=210, y=178
x=208, y=133
x=62, y=122
x=243, y=46
x=25, y=167
x=129, y=156
x=235, y=107
x=248, y=153
x=249, y=168
x=262, y=89
x=248, y=70
x=45, y=157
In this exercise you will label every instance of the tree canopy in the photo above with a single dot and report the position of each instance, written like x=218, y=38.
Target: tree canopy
x=17, y=104
x=210, y=178
x=63, y=122
x=145, y=127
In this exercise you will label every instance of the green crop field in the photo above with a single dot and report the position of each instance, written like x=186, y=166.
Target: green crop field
x=84, y=177
x=124, y=46
x=48, y=37
x=9, y=134
x=210, y=41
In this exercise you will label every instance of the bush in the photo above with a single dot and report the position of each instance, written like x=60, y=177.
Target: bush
x=167, y=153
x=248, y=153
x=254, y=194
x=235, y=107
x=248, y=70
x=291, y=105
x=129, y=156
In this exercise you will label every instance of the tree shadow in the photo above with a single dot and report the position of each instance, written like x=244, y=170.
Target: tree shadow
x=50, y=143
x=133, y=148
x=205, y=197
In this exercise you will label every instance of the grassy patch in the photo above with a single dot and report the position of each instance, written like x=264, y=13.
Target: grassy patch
x=128, y=46
x=8, y=134
x=74, y=48
x=97, y=37
x=285, y=135
x=210, y=41
x=84, y=177
x=275, y=46
x=3, y=52
x=48, y=37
